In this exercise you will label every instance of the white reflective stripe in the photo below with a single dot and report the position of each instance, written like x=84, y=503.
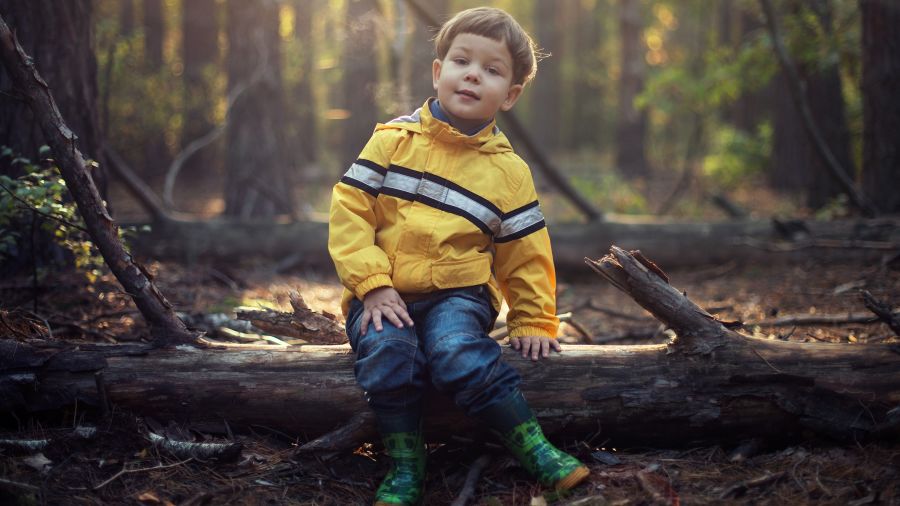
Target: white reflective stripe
x=475, y=208
x=365, y=175
x=433, y=190
x=401, y=182
x=443, y=195
x=412, y=118
x=520, y=221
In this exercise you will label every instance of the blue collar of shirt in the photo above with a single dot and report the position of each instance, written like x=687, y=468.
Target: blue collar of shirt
x=438, y=113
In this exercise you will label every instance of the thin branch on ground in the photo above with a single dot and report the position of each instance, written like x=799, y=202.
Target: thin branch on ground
x=468, y=489
x=125, y=470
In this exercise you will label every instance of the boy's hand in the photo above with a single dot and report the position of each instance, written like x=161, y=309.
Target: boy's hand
x=537, y=346
x=383, y=302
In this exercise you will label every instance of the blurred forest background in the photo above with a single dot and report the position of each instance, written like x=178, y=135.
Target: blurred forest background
x=254, y=108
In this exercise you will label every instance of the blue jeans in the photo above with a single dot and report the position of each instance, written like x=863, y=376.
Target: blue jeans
x=448, y=347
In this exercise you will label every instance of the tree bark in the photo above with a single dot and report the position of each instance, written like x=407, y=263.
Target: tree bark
x=709, y=385
x=674, y=244
x=881, y=106
x=59, y=37
x=164, y=324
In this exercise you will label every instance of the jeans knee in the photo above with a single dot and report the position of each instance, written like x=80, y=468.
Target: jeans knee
x=388, y=364
x=462, y=361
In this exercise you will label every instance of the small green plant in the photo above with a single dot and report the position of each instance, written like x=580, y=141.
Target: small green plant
x=39, y=194
x=735, y=155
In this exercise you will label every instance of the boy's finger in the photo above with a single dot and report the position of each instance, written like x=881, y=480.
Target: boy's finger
x=403, y=314
x=514, y=342
x=392, y=317
x=554, y=343
x=535, y=349
x=376, y=319
x=526, y=346
x=364, y=322
x=545, y=347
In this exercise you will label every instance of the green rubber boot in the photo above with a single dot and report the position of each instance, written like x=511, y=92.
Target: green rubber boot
x=520, y=432
x=403, y=441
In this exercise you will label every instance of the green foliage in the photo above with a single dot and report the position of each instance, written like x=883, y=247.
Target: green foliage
x=611, y=192
x=39, y=194
x=735, y=155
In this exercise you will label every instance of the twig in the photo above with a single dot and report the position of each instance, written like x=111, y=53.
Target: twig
x=10, y=483
x=881, y=309
x=125, y=470
x=818, y=319
x=358, y=428
x=37, y=211
x=741, y=488
x=468, y=489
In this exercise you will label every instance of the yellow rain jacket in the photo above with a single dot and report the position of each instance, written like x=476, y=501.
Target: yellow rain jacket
x=426, y=207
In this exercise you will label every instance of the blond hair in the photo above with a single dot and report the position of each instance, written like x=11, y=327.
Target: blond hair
x=494, y=24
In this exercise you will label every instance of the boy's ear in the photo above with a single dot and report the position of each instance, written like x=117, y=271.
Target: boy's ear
x=515, y=91
x=435, y=73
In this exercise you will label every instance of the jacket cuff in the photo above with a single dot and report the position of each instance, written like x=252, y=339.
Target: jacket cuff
x=371, y=283
x=528, y=330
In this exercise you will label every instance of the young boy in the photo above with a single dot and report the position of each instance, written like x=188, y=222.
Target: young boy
x=435, y=220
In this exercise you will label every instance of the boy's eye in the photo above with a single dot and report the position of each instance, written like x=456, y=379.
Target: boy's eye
x=460, y=61
x=493, y=70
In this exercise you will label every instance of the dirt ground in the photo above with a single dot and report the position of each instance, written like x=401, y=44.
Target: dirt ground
x=119, y=465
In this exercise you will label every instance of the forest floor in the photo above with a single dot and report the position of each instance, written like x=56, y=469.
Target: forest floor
x=120, y=466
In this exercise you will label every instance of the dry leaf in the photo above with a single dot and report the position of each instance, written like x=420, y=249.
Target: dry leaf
x=38, y=461
x=149, y=497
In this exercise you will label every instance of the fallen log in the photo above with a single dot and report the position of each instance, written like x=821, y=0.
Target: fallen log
x=709, y=384
x=670, y=243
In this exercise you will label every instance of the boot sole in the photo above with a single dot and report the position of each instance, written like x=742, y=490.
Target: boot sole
x=572, y=479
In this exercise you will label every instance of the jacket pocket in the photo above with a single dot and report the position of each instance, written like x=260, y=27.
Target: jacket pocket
x=460, y=273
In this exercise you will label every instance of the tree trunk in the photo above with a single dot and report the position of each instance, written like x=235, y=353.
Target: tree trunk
x=881, y=105
x=60, y=39
x=753, y=106
x=631, y=123
x=303, y=102
x=588, y=118
x=256, y=183
x=545, y=100
x=710, y=385
x=154, y=31
x=164, y=325
x=360, y=79
x=200, y=48
x=675, y=244
x=423, y=47
x=797, y=166
x=126, y=18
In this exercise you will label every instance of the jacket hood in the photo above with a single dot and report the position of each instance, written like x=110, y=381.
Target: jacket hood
x=489, y=139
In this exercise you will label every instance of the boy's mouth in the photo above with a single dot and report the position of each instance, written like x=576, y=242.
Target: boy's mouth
x=468, y=93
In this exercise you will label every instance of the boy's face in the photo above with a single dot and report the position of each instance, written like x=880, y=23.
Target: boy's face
x=474, y=80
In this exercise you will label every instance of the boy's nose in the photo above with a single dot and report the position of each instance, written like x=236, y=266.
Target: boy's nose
x=472, y=76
